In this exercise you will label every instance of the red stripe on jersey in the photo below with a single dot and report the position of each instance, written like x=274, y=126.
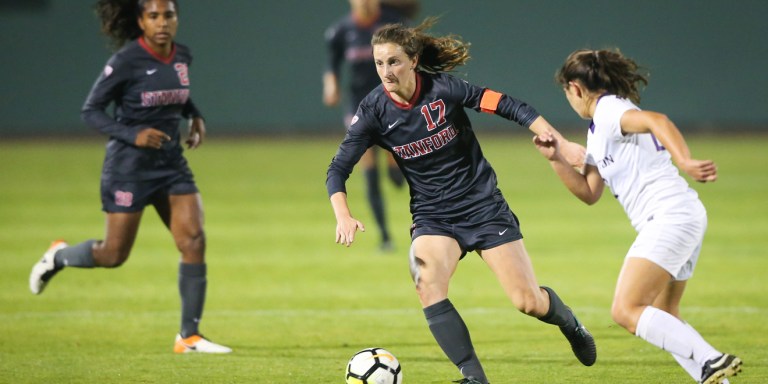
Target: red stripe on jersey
x=490, y=101
x=166, y=60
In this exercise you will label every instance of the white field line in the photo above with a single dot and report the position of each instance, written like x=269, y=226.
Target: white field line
x=304, y=313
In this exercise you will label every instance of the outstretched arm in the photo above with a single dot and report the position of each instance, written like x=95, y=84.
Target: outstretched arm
x=588, y=187
x=634, y=121
x=346, y=225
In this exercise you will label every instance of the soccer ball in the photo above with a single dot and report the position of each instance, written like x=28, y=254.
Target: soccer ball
x=374, y=366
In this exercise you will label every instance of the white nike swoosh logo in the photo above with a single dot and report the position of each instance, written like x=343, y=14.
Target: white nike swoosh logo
x=151, y=71
x=503, y=232
x=390, y=126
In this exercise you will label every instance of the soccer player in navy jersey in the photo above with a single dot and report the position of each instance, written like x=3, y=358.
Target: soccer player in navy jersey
x=148, y=82
x=349, y=40
x=418, y=114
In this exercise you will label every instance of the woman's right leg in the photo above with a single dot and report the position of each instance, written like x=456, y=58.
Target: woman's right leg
x=121, y=229
x=111, y=252
x=118, y=241
x=433, y=261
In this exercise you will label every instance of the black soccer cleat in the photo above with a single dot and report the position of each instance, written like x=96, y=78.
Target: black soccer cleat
x=719, y=368
x=582, y=343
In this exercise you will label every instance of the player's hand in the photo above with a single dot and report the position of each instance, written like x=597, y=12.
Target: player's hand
x=345, y=230
x=196, y=132
x=547, y=145
x=700, y=170
x=331, y=93
x=573, y=153
x=151, y=138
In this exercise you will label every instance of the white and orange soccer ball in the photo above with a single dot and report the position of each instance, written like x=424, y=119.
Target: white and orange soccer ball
x=374, y=366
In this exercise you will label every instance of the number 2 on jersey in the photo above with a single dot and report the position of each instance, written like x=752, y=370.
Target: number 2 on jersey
x=183, y=72
x=439, y=106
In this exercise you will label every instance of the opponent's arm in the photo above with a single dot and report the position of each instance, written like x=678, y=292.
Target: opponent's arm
x=572, y=153
x=587, y=186
x=635, y=121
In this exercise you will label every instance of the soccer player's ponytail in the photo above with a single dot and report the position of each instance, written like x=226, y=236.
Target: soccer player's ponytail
x=436, y=53
x=603, y=70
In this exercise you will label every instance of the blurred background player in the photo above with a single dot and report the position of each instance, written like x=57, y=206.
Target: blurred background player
x=418, y=113
x=349, y=40
x=148, y=81
x=632, y=151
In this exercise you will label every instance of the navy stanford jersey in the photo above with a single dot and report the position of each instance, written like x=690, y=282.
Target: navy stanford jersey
x=432, y=141
x=147, y=91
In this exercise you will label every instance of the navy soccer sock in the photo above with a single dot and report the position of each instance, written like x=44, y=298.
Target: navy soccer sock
x=559, y=314
x=453, y=337
x=79, y=255
x=192, y=285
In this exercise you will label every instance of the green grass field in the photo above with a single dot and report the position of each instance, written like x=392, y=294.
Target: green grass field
x=295, y=306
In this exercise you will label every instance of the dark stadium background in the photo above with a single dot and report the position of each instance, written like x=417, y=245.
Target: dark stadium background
x=258, y=63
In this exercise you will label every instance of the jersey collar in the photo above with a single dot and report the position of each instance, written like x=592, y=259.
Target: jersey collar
x=165, y=60
x=413, y=99
x=592, y=122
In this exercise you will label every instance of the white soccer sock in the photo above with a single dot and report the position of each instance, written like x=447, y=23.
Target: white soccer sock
x=690, y=366
x=672, y=335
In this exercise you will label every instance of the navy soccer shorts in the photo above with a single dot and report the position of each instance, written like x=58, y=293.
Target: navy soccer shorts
x=483, y=229
x=133, y=196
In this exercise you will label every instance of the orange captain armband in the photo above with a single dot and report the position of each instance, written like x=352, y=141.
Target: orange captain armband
x=490, y=101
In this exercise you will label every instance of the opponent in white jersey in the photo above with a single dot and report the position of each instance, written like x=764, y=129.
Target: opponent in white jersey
x=632, y=151
x=636, y=167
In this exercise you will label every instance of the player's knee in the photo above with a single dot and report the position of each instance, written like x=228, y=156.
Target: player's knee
x=415, y=264
x=192, y=242
x=621, y=314
x=527, y=302
x=112, y=257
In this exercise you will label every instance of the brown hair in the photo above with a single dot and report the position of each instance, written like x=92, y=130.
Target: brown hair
x=119, y=19
x=603, y=70
x=436, y=54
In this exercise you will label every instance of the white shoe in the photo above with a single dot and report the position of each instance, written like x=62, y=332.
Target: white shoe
x=44, y=270
x=197, y=343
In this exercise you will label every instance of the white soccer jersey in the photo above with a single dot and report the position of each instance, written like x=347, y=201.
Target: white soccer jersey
x=636, y=167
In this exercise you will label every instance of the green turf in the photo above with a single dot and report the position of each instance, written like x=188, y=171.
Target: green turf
x=295, y=306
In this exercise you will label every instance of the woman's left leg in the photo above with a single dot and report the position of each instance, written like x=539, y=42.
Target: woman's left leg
x=184, y=217
x=641, y=284
x=514, y=270
x=669, y=301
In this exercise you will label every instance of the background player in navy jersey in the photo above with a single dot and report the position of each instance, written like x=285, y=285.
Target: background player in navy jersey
x=349, y=40
x=418, y=114
x=632, y=151
x=148, y=81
